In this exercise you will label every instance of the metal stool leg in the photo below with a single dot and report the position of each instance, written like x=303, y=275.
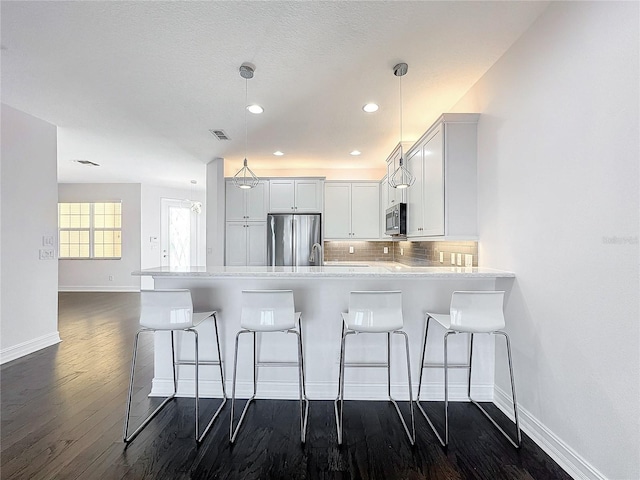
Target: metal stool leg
x=224, y=392
x=340, y=397
x=234, y=433
x=411, y=434
x=128, y=438
x=518, y=440
x=304, y=401
x=424, y=413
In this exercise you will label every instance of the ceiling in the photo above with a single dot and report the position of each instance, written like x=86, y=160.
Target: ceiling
x=136, y=86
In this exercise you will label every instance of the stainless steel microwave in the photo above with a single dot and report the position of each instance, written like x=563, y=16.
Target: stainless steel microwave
x=396, y=220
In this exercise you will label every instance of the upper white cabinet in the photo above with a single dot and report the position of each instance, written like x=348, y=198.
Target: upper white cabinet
x=394, y=195
x=352, y=210
x=247, y=204
x=443, y=200
x=289, y=195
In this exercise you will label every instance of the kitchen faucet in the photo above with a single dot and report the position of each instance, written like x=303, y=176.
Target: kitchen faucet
x=313, y=249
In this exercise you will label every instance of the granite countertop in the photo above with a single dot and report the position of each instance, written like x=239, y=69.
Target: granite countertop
x=330, y=270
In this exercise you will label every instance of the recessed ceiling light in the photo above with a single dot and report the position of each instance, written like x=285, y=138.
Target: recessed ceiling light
x=370, y=107
x=355, y=153
x=278, y=153
x=255, y=108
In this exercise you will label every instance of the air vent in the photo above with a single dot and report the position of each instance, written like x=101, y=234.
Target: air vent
x=219, y=134
x=86, y=162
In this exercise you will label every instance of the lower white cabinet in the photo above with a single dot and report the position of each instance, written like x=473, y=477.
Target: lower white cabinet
x=246, y=243
x=352, y=210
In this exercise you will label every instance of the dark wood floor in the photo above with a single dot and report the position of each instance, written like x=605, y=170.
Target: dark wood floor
x=63, y=407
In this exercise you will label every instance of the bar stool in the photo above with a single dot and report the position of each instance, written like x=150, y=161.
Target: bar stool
x=172, y=311
x=374, y=312
x=269, y=311
x=470, y=312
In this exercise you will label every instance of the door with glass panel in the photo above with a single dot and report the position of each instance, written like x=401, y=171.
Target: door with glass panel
x=179, y=233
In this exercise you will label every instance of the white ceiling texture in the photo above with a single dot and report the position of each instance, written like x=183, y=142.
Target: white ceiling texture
x=136, y=86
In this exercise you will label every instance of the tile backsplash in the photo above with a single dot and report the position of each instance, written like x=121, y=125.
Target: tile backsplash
x=408, y=253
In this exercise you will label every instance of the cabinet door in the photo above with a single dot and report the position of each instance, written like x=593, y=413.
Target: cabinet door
x=257, y=202
x=365, y=213
x=308, y=196
x=236, y=244
x=337, y=209
x=234, y=203
x=281, y=196
x=433, y=187
x=384, y=201
x=256, y=243
x=414, y=195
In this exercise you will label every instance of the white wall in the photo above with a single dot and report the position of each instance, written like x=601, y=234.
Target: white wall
x=151, y=199
x=29, y=194
x=93, y=275
x=558, y=149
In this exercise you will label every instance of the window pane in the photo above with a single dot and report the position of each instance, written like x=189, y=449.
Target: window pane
x=85, y=208
x=74, y=236
x=109, y=221
x=64, y=250
x=64, y=236
x=117, y=251
x=108, y=250
x=98, y=208
x=98, y=251
x=63, y=208
x=84, y=251
x=64, y=221
x=84, y=221
x=98, y=221
x=74, y=221
x=74, y=250
x=74, y=208
x=108, y=208
x=117, y=208
x=118, y=222
x=108, y=237
x=98, y=237
x=84, y=237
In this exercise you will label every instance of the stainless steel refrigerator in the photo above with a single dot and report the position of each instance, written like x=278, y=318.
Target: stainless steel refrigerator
x=290, y=239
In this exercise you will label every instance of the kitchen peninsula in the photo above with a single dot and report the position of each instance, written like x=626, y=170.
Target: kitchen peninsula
x=321, y=294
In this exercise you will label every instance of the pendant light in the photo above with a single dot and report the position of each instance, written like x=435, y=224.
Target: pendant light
x=401, y=177
x=245, y=178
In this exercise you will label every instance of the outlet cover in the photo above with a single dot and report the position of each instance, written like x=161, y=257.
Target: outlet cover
x=468, y=260
x=401, y=251
x=441, y=257
x=459, y=259
x=386, y=250
x=351, y=250
x=453, y=259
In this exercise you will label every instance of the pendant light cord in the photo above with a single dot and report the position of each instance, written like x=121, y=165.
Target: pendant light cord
x=246, y=96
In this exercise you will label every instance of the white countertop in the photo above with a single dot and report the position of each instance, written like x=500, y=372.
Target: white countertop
x=330, y=270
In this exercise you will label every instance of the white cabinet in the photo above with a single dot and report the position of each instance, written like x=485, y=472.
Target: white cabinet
x=289, y=195
x=443, y=200
x=246, y=243
x=395, y=195
x=384, y=200
x=352, y=210
x=247, y=204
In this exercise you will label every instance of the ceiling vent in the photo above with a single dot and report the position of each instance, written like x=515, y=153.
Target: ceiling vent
x=219, y=134
x=86, y=162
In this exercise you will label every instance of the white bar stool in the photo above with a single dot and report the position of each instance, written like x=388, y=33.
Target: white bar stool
x=374, y=312
x=470, y=312
x=269, y=311
x=172, y=311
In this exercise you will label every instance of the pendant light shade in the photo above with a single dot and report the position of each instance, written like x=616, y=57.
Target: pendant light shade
x=401, y=177
x=245, y=178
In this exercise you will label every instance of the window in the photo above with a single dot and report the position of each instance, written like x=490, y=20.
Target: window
x=90, y=230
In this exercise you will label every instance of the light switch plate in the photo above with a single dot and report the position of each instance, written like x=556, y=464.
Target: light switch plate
x=441, y=257
x=47, y=254
x=468, y=260
x=48, y=241
x=453, y=259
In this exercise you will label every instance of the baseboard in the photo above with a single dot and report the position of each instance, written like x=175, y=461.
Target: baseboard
x=99, y=288
x=25, y=348
x=560, y=452
x=320, y=390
